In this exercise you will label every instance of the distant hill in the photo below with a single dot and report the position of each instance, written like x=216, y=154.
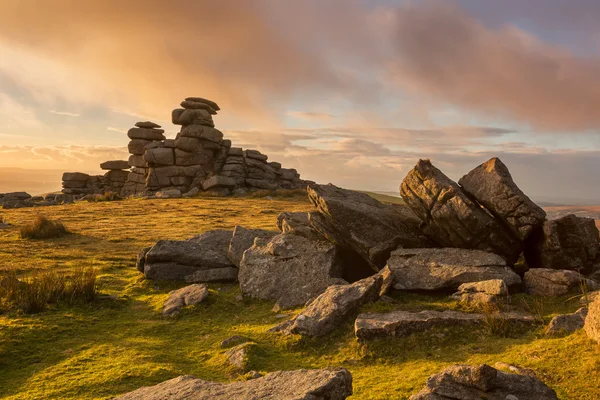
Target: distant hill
x=33, y=181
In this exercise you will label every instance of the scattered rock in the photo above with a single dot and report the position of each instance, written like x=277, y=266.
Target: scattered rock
x=239, y=356
x=552, y=282
x=243, y=239
x=289, y=269
x=187, y=296
x=492, y=185
x=447, y=268
x=464, y=382
x=404, y=323
x=592, y=321
x=297, y=223
x=357, y=221
x=234, y=341
x=493, y=291
x=567, y=323
x=451, y=218
x=334, y=384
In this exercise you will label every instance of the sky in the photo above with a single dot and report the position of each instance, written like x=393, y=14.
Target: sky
x=350, y=92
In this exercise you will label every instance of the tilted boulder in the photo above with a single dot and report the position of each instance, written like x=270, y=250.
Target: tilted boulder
x=451, y=218
x=569, y=242
x=465, y=382
x=186, y=296
x=567, y=323
x=553, y=282
x=357, y=221
x=592, y=321
x=297, y=223
x=289, y=269
x=493, y=187
x=243, y=239
x=447, y=268
x=334, y=306
x=317, y=384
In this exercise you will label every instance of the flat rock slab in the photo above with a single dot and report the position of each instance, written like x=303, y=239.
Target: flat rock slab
x=187, y=296
x=357, y=221
x=592, y=321
x=334, y=306
x=243, y=239
x=404, y=323
x=493, y=187
x=283, y=385
x=115, y=165
x=451, y=218
x=567, y=323
x=552, y=282
x=465, y=382
x=147, y=125
x=446, y=269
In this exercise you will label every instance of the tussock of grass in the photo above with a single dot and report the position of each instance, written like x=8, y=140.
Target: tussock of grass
x=43, y=228
x=35, y=292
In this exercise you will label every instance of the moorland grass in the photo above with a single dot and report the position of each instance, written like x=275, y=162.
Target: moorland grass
x=121, y=341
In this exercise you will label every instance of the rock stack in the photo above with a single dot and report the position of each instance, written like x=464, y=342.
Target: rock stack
x=115, y=178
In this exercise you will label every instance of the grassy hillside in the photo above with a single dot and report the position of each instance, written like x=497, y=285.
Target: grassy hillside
x=122, y=342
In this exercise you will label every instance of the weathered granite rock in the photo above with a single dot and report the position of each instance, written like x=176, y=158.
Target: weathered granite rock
x=289, y=269
x=169, y=194
x=229, y=274
x=334, y=384
x=465, y=382
x=204, y=133
x=451, y=218
x=334, y=306
x=493, y=291
x=210, y=103
x=187, y=117
x=141, y=259
x=115, y=165
x=234, y=340
x=592, y=321
x=75, y=176
x=492, y=186
x=243, y=239
x=194, y=105
x=357, y=221
x=159, y=157
x=146, y=134
x=569, y=242
x=447, y=268
x=553, y=282
x=147, y=125
x=404, y=323
x=239, y=356
x=187, y=296
x=567, y=323
x=297, y=223
x=218, y=181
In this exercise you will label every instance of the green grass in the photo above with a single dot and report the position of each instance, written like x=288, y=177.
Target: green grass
x=121, y=342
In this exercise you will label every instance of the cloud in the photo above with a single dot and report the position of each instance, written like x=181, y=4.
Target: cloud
x=311, y=116
x=65, y=113
x=118, y=130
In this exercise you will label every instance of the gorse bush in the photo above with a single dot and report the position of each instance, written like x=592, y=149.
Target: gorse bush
x=35, y=292
x=43, y=228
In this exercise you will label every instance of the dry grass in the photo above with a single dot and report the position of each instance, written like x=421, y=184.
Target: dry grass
x=107, y=196
x=43, y=228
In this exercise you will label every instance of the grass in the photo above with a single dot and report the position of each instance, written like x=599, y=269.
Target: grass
x=43, y=228
x=107, y=196
x=121, y=342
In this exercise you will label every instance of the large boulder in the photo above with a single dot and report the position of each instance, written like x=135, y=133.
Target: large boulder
x=324, y=384
x=451, y=218
x=446, y=269
x=243, y=239
x=357, y=221
x=569, y=242
x=180, y=260
x=289, y=269
x=567, y=323
x=553, y=282
x=334, y=306
x=186, y=296
x=492, y=186
x=465, y=382
x=592, y=321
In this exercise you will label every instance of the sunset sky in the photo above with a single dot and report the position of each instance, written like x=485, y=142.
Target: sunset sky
x=347, y=91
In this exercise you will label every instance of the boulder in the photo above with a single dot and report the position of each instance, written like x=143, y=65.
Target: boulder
x=188, y=117
x=289, y=269
x=169, y=194
x=592, y=321
x=239, y=356
x=138, y=146
x=297, y=223
x=405, y=323
x=210, y=103
x=447, y=268
x=451, y=218
x=229, y=274
x=334, y=306
x=243, y=239
x=192, y=192
x=147, y=125
x=256, y=155
x=194, y=105
x=218, y=181
x=187, y=296
x=115, y=165
x=137, y=161
x=262, y=184
x=465, y=382
x=569, y=242
x=146, y=134
x=75, y=176
x=493, y=187
x=324, y=384
x=567, y=323
x=234, y=340
x=493, y=291
x=357, y=221
x=236, y=151
x=159, y=157
x=552, y=282
x=202, y=132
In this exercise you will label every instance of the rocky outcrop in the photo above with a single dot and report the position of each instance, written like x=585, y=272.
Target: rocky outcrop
x=493, y=291
x=447, y=268
x=465, y=382
x=569, y=242
x=25, y=200
x=335, y=384
x=493, y=187
x=592, y=321
x=289, y=269
x=404, y=323
x=359, y=222
x=334, y=306
x=297, y=223
x=452, y=218
x=551, y=282
x=243, y=239
x=567, y=323
x=187, y=296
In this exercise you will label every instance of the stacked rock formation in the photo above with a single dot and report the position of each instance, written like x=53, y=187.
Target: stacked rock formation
x=78, y=183
x=144, y=135
x=24, y=200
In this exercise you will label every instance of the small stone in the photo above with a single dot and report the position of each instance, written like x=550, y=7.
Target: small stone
x=187, y=296
x=233, y=341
